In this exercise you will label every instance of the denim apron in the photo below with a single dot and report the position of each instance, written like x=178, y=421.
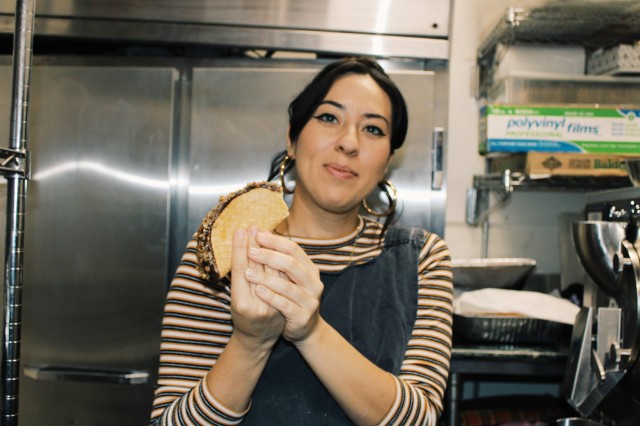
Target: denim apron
x=373, y=306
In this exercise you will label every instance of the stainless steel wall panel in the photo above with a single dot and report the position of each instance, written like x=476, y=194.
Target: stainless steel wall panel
x=426, y=18
x=411, y=167
x=385, y=28
x=239, y=121
x=96, y=237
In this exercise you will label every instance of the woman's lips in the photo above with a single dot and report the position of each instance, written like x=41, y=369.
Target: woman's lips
x=339, y=171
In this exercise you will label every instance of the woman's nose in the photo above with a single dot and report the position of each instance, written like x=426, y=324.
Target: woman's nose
x=348, y=141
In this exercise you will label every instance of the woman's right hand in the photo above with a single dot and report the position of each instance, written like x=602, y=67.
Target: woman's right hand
x=256, y=328
x=256, y=324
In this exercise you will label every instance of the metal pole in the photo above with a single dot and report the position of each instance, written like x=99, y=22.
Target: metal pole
x=16, y=199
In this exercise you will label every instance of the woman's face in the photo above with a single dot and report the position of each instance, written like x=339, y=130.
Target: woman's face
x=344, y=149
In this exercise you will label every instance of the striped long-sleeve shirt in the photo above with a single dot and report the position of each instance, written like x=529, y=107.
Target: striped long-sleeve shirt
x=197, y=326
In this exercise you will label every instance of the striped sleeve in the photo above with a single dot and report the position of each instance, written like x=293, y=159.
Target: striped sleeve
x=196, y=327
x=423, y=377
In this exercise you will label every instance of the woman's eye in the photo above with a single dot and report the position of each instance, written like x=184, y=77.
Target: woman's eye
x=375, y=130
x=327, y=118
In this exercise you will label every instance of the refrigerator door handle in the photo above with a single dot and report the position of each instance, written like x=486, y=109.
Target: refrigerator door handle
x=437, y=159
x=113, y=376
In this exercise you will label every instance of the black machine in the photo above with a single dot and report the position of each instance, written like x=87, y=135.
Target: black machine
x=602, y=381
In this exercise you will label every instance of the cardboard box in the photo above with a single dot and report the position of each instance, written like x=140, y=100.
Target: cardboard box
x=544, y=164
x=533, y=128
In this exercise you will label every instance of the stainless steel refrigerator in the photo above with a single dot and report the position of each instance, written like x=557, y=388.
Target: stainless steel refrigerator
x=126, y=160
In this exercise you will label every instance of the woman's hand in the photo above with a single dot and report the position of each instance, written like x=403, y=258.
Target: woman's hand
x=295, y=291
x=257, y=325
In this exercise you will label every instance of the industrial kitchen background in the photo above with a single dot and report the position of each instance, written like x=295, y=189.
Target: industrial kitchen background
x=137, y=124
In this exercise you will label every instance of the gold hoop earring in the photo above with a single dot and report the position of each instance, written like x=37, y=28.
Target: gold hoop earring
x=392, y=194
x=283, y=167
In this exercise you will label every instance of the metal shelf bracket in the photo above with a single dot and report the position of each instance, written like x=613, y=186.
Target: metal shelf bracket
x=478, y=203
x=14, y=162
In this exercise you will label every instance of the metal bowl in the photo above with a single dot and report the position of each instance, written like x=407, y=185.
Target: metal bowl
x=474, y=274
x=597, y=242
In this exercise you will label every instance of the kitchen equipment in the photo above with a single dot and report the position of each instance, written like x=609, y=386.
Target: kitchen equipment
x=473, y=274
x=603, y=376
x=597, y=242
x=96, y=241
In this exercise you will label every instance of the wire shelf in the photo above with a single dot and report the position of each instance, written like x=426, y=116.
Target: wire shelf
x=591, y=27
x=504, y=184
x=558, y=183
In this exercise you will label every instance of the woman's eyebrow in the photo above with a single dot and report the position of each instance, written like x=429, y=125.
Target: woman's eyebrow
x=381, y=117
x=334, y=103
x=368, y=115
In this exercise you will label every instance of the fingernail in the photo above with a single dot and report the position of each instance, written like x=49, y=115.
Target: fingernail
x=253, y=231
x=251, y=273
x=241, y=233
x=254, y=251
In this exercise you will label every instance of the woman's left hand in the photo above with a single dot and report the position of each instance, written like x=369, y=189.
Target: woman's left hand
x=296, y=291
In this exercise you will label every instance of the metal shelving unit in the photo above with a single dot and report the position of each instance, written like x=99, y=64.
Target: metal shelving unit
x=588, y=25
x=591, y=27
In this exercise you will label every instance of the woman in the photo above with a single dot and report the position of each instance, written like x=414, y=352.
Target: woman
x=334, y=318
